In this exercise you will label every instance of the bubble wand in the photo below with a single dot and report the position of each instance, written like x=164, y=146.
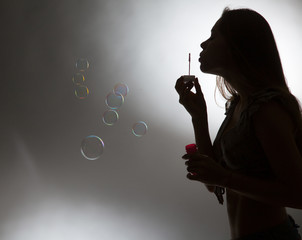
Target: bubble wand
x=189, y=63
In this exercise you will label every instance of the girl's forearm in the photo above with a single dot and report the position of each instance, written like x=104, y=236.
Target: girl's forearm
x=202, y=137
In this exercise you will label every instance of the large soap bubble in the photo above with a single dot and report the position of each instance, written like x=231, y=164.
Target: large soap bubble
x=121, y=88
x=82, y=64
x=78, y=78
x=81, y=91
x=110, y=117
x=114, y=100
x=92, y=147
x=139, y=129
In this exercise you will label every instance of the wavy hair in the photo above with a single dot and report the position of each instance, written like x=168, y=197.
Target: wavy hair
x=256, y=55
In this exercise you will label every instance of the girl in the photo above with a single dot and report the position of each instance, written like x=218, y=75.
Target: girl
x=257, y=154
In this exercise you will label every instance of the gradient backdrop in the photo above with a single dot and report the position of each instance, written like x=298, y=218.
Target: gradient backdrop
x=137, y=189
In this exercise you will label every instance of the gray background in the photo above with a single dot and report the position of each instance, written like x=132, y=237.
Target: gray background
x=138, y=188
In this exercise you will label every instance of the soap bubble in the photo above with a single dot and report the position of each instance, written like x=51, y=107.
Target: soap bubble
x=114, y=100
x=81, y=91
x=82, y=64
x=121, y=88
x=139, y=129
x=78, y=78
x=92, y=147
x=110, y=117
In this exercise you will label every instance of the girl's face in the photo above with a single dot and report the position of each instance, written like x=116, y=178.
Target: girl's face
x=215, y=57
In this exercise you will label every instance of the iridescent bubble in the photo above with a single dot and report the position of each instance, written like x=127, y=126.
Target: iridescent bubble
x=82, y=64
x=81, y=91
x=121, y=88
x=114, y=100
x=110, y=117
x=139, y=129
x=92, y=147
x=78, y=78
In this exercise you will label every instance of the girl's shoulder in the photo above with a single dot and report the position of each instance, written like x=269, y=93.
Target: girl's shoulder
x=274, y=98
x=260, y=98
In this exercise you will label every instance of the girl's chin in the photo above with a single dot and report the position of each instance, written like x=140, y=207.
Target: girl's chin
x=206, y=69
x=203, y=68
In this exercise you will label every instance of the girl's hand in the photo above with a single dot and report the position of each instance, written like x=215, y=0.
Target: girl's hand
x=193, y=102
x=210, y=188
x=204, y=169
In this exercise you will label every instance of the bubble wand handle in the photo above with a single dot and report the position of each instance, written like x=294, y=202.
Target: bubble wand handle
x=189, y=64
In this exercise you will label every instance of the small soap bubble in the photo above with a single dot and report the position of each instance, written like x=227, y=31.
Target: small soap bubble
x=114, y=100
x=82, y=64
x=121, y=88
x=81, y=91
x=139, y=129
x=110, y=117
x=92, y=147
x=78, y=78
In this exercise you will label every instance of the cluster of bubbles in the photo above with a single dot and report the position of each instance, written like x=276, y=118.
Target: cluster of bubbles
x=92, y=146
x=114, y=100
x=80, y=89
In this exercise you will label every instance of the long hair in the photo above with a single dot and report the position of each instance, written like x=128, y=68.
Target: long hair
x=256, y=55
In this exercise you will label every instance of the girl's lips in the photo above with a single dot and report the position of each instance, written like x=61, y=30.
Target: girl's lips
x=199, y=59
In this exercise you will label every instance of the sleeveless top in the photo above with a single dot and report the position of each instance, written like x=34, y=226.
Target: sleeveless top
x=239, y=149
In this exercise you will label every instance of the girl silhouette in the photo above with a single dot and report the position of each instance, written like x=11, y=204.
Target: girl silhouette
x=256, y=157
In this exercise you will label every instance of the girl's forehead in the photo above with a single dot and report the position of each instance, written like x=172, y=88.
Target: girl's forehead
x=216, y=25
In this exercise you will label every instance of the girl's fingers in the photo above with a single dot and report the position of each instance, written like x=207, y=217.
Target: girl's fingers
x=193, y=169
x=193, y=163
x=178, y=85
x=192, y=176
x=185, y=92
x=194, y=156
x=197, y=87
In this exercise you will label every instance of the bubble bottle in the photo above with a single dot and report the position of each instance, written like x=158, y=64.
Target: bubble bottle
x=219, y=191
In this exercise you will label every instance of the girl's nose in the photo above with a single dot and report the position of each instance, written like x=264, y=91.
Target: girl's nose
x=203, y=45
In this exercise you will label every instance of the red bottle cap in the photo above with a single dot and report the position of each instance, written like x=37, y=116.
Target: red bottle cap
x=191, y=148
